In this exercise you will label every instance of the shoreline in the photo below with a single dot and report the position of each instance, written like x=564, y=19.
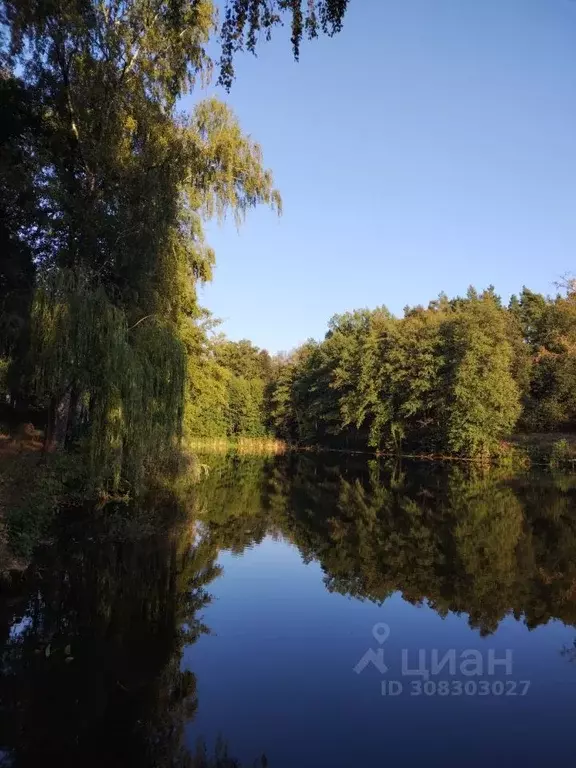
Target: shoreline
x=522, y=451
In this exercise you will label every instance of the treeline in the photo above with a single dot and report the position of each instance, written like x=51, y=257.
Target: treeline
x=456, y=377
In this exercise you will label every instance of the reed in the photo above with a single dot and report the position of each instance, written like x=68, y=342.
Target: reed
x=248, y=446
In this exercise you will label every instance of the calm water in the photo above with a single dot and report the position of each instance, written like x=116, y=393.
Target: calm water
x=287, y=613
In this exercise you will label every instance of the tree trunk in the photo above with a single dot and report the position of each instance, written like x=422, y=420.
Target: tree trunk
x=57, y=423
x=74, y=415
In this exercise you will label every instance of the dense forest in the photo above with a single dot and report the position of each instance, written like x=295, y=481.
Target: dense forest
x=104, y=188
x=457, y=377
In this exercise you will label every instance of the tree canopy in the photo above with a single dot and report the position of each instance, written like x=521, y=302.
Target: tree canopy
x=457, y=377
x=104, y=188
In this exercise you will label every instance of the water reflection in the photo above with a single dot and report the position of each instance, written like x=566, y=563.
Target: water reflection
x=92, y=632
x=484, y=543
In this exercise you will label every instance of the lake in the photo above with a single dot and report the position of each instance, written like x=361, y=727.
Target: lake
x=317, y=610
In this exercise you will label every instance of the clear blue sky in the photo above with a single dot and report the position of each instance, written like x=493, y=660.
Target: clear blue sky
x=430, y=146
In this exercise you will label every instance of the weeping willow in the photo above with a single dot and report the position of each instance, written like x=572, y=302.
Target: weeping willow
x=125, y=383
x=124, y=182
x=112, y=337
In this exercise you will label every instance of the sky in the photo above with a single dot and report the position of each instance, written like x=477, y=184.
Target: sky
x=430, y=146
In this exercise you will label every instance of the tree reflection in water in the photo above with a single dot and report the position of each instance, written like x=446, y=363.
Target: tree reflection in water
x=93, y=630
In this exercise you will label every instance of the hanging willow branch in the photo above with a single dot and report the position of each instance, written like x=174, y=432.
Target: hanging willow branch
x=132, y=385
x=137, y=323
x=244, y=19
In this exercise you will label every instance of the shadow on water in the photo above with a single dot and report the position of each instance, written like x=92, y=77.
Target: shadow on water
x=93, y=629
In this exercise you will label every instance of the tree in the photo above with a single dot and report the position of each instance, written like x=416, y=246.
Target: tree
x=125, y=183
x=20, y=209
x=281, y=416
x=549, y=329
x=482, y=397
x=226, y=388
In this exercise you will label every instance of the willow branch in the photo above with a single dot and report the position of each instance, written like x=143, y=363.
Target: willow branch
x=140, y=321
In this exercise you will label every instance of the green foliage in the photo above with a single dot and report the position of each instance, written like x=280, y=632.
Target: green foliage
x=483, y=401
x=245, y=417
x=549, y=328
x=563, y=453
x=31, y=492
x=226, y=390
x=468, y=539
x=438, y=380
x=109, y=616
x=457, y=377
x=105, y=244
x=206, y=408
x=93, y=631
x=104, y=190
x=131, y=379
